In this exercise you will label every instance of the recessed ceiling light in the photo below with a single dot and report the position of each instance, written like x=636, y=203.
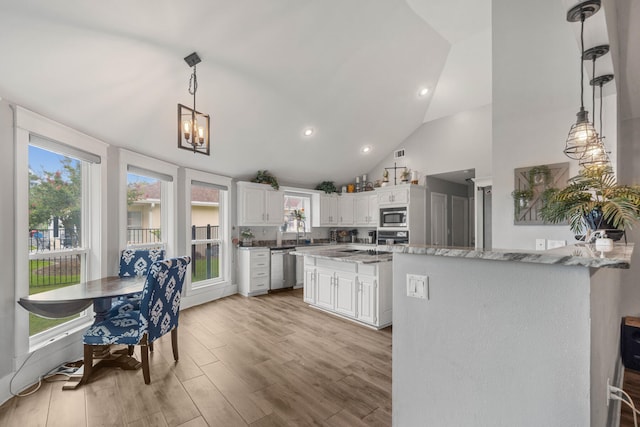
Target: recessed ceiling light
x=423, y=91
x=366, y=149
x=308, y=132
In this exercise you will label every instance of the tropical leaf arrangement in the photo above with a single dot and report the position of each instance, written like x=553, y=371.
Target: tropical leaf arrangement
x=264, y=177
x=593, y=190
x=327, y=186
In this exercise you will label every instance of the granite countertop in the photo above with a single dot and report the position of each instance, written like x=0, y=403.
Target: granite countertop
x=347, y=254
x=580, y=254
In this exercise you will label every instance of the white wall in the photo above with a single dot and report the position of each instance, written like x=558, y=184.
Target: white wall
x=457, y=142
x=7, y=302
x=536, y=95
x=496, y=344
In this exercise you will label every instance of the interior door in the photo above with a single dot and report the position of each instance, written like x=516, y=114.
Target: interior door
x=459, y=221
x=439, y=219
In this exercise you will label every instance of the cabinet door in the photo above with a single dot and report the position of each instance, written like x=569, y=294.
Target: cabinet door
x=345, y=298
x=274, y=207
x=346, y=210
x=252, y=212
x=324, y=289
x=328, y=210
x=309, y=292
x=367, y=300
x=374, y=212
x=362, y=210
x=385, y=197
x=400, y=196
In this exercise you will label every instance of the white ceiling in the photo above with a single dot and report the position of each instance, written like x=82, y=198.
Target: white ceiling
x=351, y=69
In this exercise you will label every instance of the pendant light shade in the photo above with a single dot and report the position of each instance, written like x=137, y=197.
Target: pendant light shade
x=193, y=126
x=596, y=154
x=582, y=132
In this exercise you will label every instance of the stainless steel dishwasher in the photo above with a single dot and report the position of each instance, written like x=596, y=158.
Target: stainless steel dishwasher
x=283, y=268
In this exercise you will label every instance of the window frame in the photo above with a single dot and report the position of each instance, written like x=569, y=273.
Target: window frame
x=168, y=203
x=211, y=287
x=94, y=201
x=300, y=192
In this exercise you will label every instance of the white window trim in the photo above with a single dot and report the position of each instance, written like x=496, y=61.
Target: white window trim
x=210, y=289
x=169, y=205
x=28, y=122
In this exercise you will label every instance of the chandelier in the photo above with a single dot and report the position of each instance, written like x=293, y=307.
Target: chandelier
x=193, y=126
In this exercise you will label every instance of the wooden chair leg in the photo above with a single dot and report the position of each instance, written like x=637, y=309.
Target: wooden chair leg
x=151, y=347
x=174, y=343
x=88, y=362
x=130, y=350
x=144, y=350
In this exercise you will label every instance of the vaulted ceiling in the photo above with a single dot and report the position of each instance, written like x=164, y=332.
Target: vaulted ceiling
x=349, y=69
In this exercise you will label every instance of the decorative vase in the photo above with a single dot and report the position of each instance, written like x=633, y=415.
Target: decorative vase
x=247, y=241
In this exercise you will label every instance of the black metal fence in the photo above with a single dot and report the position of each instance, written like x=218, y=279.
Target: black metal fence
x=49, y=239
x=143, y=235
x=54, y=271
x=205, y=256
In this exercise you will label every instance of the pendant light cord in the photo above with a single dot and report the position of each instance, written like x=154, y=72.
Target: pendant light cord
x=601, y=112
x=582, y=18
x=593, y=94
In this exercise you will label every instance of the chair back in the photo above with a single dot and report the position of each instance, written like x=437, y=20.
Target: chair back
x=136, y=262
x=160, y=304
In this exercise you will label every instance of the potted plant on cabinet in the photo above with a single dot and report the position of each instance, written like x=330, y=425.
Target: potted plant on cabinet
x=247, y=236
x=595, y=199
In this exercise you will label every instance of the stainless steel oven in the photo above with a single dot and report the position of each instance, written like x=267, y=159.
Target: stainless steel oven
x=388, y=237
x=393, y=217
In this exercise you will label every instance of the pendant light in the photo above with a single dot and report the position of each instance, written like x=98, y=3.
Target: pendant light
x=193, y=126
x=582, y=132
x=596, y=155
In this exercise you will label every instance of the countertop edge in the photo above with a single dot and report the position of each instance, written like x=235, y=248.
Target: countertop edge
x=572, y=255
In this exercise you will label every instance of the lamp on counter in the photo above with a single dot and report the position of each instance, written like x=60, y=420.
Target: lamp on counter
x=193, y=126
x=582, y=133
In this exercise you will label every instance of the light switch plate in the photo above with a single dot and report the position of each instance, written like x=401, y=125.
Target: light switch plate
x=556, y=244
x=541, y=244
x=418, y=286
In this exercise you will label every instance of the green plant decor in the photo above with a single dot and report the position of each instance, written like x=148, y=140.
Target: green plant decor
x=539, y=175
x=593, y=189
x=327, y=186
x=264, y=177
x=521, y=198
x=246, y=233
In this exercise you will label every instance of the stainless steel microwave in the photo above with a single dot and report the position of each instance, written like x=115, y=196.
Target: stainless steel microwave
x=393, y=217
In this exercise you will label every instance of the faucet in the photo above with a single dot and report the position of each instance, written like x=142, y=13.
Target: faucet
x=304, y=232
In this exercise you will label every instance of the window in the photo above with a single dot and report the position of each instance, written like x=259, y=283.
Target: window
x=148, y=193
x=297, y=209
x=205, y=232
x=58, y=199
x=57, y=256
x=208, y=233
x=144, y=210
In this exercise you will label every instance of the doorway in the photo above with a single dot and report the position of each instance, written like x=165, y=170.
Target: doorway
x=450, y=210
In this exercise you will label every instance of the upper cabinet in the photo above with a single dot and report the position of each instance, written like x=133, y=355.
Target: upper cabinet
x=259, y=204
x=346, y=210
x=366, y=209
x=396, y=195
x=325, y=210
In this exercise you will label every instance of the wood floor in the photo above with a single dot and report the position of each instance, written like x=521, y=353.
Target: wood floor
x=262, y=361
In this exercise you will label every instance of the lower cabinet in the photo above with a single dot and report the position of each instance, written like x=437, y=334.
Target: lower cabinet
x=361, y=292
x=253, y=271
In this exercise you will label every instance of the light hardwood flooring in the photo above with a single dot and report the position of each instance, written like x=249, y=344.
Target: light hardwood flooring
x=261, y=361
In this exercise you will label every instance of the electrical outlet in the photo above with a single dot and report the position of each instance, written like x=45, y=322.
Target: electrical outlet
x=418, y=286
x=541, y=244
x=556, y=243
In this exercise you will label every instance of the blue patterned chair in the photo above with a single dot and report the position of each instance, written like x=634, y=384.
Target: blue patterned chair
x=134, y=262
x=158, y=315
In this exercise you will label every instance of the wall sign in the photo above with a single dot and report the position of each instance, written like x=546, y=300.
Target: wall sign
x=532, y=184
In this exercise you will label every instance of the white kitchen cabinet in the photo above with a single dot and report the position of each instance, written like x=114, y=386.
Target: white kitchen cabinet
x=366, y=209
x=346, y=210
x=345, y=293
x=357, y=291
x=253, y=271
x=259, y=204
x=309, y=290
x=396, y=195
x=299, y=272
x=325, y=293
x=325, y=210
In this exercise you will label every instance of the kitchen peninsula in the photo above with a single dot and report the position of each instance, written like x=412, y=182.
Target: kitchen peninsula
x=350, y=281
x=506, y=337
